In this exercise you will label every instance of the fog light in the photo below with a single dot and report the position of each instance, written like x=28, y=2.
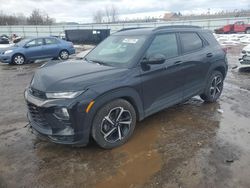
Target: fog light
x=61, y=113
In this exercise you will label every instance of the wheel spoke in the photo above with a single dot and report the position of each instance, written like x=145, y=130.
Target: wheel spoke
x=125, y=122
x=120, y=113
x=109, y=120
x=110, y=132
x=119, y=133
x=218, y=89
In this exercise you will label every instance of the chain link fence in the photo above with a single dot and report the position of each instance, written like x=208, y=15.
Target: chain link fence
x=56, y=30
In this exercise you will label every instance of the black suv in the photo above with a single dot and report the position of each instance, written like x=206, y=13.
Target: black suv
x=129, y=76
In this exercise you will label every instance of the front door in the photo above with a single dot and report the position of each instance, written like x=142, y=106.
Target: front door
x=35, y=49
x=162, y=83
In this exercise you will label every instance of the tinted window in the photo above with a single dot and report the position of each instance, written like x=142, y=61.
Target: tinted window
x=36, y=42
x=50, y=41
x=165, y=44
x=190, y=42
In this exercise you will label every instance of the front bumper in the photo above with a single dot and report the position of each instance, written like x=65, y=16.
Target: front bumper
x=5, y=59
x=43, y=121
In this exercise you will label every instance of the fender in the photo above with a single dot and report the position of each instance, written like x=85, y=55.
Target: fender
x=127, y=93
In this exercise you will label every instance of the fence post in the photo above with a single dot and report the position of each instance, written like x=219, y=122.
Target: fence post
x=10, y=31
x=36, y=31
x=50, y=32
x=23, y=32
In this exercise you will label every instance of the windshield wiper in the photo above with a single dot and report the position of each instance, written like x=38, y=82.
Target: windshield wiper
x=96, y=61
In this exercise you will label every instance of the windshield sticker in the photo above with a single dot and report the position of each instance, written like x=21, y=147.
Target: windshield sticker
x=130, y=41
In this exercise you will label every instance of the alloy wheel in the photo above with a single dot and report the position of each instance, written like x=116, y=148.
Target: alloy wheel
x=216, y=86
x=116, y=125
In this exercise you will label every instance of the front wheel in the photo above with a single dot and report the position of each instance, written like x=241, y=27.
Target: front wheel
x=18, y=59
x=213, y=88
x=113, y=124
x=64, y=55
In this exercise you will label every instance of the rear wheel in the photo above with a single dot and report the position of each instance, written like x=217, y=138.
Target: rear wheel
x=64, y=55
x=113, y=124
x=18, y=59
x=213, y=88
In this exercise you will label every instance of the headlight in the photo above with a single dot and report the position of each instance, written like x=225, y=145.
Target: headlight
x=64, y=95
x=8, y=51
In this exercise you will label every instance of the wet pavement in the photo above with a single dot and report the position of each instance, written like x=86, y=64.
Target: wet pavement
x=189, y=145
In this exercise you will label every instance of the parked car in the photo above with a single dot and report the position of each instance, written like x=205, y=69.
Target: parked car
x=245, y=57
x=28, y=50
x=4, y=39
x=127, y=77
x=237, y=27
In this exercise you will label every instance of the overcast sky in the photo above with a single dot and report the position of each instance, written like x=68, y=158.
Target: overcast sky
x=83, y=10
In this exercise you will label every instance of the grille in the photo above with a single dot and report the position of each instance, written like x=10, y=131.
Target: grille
x=37, y=115
x=37, y=93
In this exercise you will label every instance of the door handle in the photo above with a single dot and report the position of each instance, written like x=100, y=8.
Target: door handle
x=209, y=55
x=178, y=62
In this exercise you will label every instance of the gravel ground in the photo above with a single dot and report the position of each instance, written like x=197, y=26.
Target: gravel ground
x=189, y=145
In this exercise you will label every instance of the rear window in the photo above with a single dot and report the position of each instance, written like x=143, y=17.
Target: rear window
x=190, y=42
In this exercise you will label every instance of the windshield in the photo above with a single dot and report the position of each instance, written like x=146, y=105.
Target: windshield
x=116, y=50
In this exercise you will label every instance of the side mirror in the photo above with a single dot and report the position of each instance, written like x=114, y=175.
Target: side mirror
x=26, y=46
x=155, y=59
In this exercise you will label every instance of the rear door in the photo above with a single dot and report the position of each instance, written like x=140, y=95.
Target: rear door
x=195, y=55
x=162, y=83
x=51, y=47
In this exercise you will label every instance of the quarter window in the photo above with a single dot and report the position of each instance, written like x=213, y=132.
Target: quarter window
x=190, y=42
x=165, y=44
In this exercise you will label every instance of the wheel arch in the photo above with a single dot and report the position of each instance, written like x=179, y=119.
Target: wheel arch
x=222, y=70
x=126, y=93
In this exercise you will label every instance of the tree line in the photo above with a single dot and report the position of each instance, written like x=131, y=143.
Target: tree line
x=109, y=15
x=37, y=17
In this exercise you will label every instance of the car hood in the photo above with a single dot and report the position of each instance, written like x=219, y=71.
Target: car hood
x=73, y=76
x=5, y=47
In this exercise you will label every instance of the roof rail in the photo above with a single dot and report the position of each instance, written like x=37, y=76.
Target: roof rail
x=176, y=26
x=131, y=28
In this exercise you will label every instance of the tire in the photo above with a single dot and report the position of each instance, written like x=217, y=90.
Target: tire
x=213, y=88
x=248, y=31
x=18, y=59
x=64, y=55
x=114, y=124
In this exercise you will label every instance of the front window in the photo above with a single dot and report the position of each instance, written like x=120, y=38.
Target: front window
x=117, y=50
x=35, y=42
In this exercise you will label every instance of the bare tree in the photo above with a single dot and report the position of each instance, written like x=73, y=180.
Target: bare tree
x=39, y=18
x=98, y=16
x=110, y=14
x=107, y=14
x=114, y=13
